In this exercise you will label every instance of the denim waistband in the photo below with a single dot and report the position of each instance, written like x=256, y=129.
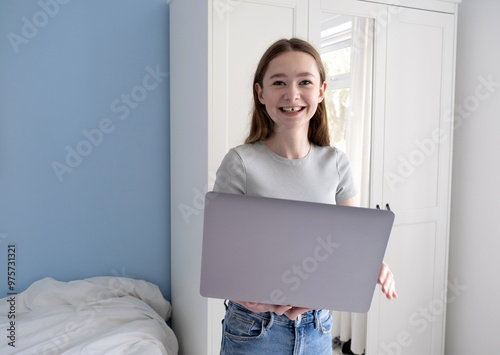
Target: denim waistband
x=308, y=317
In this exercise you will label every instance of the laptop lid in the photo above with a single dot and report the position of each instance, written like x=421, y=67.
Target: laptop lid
x=296, y=253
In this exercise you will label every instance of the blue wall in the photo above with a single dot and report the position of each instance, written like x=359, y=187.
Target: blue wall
x=84, y=139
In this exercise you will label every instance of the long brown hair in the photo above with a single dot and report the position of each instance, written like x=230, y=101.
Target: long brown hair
x=261, y=125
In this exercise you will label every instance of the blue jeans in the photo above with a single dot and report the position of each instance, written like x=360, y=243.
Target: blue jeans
x=246, y=332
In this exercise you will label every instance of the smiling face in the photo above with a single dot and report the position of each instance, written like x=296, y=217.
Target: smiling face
x=291, y=90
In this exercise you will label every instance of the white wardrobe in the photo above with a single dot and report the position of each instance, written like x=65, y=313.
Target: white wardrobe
x=214, y=48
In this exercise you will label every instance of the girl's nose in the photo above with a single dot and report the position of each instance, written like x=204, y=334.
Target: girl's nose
x=292, y=93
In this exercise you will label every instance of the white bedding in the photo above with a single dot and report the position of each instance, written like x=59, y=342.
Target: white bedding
x=101, y=315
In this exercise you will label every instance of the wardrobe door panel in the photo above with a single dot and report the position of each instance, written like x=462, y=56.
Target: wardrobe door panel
x=417, y=168
x=240, y=37
x=414, y=93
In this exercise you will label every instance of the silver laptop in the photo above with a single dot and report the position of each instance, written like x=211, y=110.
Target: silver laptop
x=296, y=253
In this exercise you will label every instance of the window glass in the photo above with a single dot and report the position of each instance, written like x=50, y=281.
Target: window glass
x=347, y=52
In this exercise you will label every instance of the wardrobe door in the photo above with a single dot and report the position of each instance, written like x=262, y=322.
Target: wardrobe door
x=351, y=38
x=240, y=33
x=417, y=171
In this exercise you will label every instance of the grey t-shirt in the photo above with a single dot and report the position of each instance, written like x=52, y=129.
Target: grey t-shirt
x=323, y=175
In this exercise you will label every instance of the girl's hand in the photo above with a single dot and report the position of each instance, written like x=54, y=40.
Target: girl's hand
x=294, y=312
x=386, y=280
x=264, y=307
x=289, y=311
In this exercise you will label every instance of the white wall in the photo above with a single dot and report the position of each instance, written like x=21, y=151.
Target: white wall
x=473, y=315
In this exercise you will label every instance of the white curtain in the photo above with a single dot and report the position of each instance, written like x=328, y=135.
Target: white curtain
x=358, y=141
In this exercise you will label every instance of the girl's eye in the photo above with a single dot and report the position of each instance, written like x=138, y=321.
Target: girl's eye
x=305, y=82
x=278, y=83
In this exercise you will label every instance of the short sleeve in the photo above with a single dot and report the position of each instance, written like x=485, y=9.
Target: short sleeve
x=346, y=188
x=231, y=175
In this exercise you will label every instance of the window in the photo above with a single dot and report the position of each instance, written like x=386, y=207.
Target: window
x=335, y=50
x=347, y=52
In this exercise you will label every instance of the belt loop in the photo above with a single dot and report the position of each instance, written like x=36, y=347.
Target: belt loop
x=225, y=304
x=271, y=320
x=317, y=322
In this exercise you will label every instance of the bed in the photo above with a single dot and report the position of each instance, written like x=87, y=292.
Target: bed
x=99, y=315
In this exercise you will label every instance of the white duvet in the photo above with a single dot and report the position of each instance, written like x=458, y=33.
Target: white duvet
x=101, y=315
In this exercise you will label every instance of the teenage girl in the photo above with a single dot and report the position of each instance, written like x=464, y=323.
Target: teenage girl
x=287, y=154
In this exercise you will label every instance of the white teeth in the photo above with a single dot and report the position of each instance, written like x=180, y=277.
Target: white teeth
x=291, y=109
